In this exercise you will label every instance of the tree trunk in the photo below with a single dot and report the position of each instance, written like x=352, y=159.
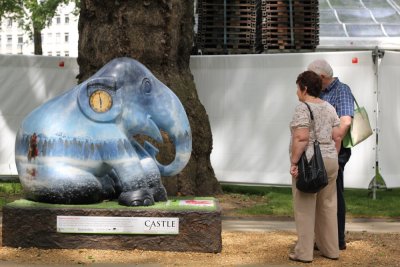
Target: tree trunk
x=159, y=34
x=37, y=42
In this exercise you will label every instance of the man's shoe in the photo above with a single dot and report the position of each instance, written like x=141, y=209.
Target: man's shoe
x=342, y=247
x=316, y=247
x=292, y=257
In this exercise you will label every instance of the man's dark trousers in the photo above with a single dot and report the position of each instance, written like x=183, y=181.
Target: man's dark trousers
x=344, y=156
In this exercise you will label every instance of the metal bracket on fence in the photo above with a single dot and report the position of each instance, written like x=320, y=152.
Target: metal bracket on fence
x=376, y=54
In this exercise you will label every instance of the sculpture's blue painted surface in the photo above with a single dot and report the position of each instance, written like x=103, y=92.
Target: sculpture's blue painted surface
x=79, y=146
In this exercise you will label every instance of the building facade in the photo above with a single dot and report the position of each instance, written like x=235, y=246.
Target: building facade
x=60, y=38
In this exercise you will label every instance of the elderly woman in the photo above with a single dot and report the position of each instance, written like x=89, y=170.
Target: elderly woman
x=315, y=213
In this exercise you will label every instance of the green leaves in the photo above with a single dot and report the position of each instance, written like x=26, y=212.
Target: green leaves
x=39, y=13
x=33, y=15
x=10, y=8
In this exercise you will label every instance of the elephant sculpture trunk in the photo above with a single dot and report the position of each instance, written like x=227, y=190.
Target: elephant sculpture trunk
x=182, y=155
x=79, y=146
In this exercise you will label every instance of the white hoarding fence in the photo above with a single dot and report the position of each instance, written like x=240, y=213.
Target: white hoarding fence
x=26, y=83
x=389, y=118
x=250, y=100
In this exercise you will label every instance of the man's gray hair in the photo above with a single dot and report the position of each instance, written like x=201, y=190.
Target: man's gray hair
x=321, y=67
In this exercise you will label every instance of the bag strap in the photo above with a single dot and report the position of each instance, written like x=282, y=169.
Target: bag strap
x=308, y=106
x=312, y=120
x=358, y=107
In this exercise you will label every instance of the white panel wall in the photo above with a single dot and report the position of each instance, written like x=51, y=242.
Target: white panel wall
x=389, y=119
x=250, y=100
x=27, y=82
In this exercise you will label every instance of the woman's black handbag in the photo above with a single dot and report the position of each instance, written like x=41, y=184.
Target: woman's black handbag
x=312, y=175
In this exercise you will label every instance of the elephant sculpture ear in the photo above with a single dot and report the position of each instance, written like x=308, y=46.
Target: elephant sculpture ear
x=99, y=99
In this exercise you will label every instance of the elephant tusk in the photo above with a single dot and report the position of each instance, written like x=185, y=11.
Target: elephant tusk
x=153, y=130
x=151, y=149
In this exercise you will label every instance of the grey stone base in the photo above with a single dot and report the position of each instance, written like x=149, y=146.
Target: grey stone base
x=199, y=231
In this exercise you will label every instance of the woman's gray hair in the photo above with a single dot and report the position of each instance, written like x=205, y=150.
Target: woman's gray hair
x=321, y=67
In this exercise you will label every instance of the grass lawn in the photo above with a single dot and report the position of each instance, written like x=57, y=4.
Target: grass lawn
x=278, y=200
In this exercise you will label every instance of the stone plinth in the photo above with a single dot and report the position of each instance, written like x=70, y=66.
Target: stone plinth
x=32, y=224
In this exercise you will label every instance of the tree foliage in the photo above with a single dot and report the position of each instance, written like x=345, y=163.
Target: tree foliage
x=10, y=8
x=32, y=15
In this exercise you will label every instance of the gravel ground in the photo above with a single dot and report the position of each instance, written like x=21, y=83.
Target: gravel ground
x=239, y=248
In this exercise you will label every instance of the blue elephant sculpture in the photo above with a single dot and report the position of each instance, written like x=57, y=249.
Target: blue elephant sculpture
x=79, y=147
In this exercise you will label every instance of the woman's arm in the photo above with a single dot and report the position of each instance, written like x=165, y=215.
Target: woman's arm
x=337, y=137
x=299, y=144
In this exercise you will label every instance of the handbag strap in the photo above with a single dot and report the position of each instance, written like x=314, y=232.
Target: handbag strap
x=308, y=106
x=312, y=121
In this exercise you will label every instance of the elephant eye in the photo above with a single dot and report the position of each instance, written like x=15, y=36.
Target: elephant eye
x=146, y=87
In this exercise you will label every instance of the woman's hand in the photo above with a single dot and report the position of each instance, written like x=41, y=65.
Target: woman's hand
x=294, y=171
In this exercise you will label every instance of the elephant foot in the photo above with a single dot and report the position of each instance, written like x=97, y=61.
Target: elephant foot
x=140, y=197
x=159, y=193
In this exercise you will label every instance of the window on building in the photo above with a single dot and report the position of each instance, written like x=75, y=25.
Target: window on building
x=20, y=44
x=58, y=37
x=9, y=44
x=49, y=38
x=20, y=39
x=66, y=53
x=9, y=23
x=49, y=53
x=66, y=37
x=58, y=53
x=58, y=20
x=66, y=19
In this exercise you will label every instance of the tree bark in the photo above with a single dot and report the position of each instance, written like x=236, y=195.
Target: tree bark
x=37, y=42
x=159, y=34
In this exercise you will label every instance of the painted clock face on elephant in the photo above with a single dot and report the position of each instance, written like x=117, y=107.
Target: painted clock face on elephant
x=79, y=147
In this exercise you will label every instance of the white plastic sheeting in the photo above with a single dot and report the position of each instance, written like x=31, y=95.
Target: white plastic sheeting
x=27, y=82
x=389, y=119
x=250, y=100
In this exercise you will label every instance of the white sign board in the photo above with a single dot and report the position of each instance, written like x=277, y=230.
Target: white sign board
x=117, y=225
